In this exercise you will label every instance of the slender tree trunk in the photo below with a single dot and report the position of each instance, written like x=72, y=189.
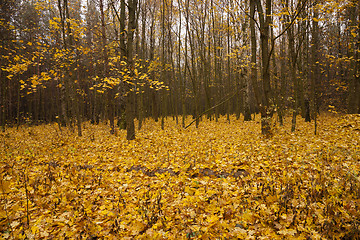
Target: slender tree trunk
x=75, y=83
x=154, y=97
x=266, y=106
x=281, y=89
x=130, y=127
x=357, y=59
x=276, y=81
x=228, y=63
x=110, y=97
x=315, y=65
x=163, y=63
x=253, y=73
x=181, y=77
x=216, y=84
x=353, y=97
x=293, y=59
x=142, y=57
x=252, y=81
x=63, y=92
x=2, y=100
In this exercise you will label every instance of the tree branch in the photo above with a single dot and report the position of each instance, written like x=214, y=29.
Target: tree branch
x=217, y=105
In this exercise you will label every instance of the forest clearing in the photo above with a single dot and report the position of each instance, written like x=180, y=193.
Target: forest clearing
x=218, y=181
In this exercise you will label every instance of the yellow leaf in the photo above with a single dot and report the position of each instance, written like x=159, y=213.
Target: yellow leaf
x=2, y=214
x=247, y=216
x=189, y=190
x=212, y=219
x=241, y=233
x=104, y=212
x=137, y=227
x=14, y=224
x=315, y=19
x=287, y=232
x=5, y=186
x=34, y=228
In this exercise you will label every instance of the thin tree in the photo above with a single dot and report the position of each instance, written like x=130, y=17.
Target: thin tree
x=132, y=24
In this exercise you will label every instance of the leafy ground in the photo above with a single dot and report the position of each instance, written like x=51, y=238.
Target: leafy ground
x=221, y=181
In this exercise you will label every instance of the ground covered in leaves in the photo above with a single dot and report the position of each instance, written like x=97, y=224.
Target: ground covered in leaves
x=220, y=181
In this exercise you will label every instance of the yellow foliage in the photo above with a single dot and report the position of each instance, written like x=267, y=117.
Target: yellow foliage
x=220, y=181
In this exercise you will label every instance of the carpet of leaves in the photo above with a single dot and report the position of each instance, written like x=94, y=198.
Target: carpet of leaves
x=220, y=181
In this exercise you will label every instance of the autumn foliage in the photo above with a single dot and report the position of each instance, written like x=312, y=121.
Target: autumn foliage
x=220, y=181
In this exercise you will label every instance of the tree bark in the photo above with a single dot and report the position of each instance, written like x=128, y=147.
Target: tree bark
x=354, y=86
x=314, y=65
x=110, y=95
x=130, y=127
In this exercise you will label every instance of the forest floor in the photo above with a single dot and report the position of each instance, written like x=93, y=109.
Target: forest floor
x=220, y=181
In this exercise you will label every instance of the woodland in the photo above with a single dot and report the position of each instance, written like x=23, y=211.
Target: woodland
x=179, y=119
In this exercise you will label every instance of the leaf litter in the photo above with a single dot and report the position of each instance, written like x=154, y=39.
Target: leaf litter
x=220, y=181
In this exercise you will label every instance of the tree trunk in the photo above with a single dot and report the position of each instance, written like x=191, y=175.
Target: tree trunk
x=2, y=100
x=267, y=105
x=315, y=65
x=142, y=57
x=110, y=97
x=130, y=127
x=253, y=73
x=354, y=87
x=293, y=58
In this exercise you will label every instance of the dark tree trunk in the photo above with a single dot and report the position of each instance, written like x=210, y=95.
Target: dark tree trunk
x=130, y=126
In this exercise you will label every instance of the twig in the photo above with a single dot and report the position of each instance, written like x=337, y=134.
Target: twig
x=27, y=201
x=199, y=116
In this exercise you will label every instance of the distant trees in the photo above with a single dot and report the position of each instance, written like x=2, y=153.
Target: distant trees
x=8, y=46
x=352, y=17
x=71, y=61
